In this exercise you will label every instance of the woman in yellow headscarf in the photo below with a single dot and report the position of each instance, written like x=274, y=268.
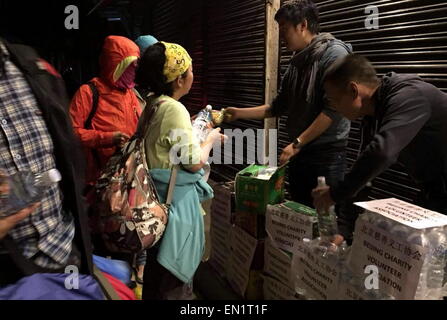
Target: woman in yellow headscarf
x=166, y=70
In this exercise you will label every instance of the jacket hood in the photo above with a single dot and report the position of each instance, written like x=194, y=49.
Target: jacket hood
x=116, y=56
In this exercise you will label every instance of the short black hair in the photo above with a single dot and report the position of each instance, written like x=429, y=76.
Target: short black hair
x=352, y=67
x=296, y=11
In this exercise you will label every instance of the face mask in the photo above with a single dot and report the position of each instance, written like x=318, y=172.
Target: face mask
x=127, y=79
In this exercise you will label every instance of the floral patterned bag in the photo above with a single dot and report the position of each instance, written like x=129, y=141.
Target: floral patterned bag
x=129, y=215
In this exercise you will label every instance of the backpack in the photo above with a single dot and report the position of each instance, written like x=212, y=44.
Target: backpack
x=130, y=217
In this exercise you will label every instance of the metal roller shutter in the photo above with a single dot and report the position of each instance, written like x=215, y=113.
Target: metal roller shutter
x=235, y=65
x=226, y=40
x=412, y=38
x=181, y=22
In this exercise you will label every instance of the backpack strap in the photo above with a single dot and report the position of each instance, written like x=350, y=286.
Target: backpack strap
x=95, y=97
x=171, y=187
x=108, y=290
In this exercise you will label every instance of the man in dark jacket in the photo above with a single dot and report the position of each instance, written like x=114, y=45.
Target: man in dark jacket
x=36, y=135
x=318, y=135
x=405, y=119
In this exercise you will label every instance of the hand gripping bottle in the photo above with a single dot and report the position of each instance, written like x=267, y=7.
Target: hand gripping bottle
x=327, y=221
x=203, y=124
x=24, y=188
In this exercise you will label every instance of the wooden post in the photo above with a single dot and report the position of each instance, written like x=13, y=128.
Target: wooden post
x=271, y=66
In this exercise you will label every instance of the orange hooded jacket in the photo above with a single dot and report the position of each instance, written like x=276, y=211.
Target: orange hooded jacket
x=118, y=109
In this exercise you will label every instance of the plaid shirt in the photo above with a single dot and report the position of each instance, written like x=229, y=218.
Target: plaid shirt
x=26, y=145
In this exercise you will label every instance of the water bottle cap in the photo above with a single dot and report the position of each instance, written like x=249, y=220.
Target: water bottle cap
x=54, y=175
x=209, y=108
x=321, y=181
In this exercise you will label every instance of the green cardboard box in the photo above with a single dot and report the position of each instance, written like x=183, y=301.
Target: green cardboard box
x=253, y=194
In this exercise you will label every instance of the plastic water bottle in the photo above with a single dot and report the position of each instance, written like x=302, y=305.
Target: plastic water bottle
x=401, y=231
x=419, y=238
x=203, y=124
x=24, y=188
x=327, y=221
x=435, y=269
x=383, y=223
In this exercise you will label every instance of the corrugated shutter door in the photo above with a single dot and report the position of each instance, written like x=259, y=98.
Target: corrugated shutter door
x=235, y=65
x=411, y=38
x=182, y=22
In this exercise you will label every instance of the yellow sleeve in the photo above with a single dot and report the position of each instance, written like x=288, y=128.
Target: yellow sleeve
x=178, y=134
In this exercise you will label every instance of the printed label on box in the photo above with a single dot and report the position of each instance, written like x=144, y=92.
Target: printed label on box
x=275, y=290
x=242, y=250
x=405, y=213
x=278, y=264
x=399, y=263
x=286, y=227
x=318, y=276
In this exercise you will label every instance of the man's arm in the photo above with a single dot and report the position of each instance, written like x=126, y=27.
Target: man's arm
x=405, y=116
x=328, y=115
x=320, y=125
x=277, y=108
x=255, y=113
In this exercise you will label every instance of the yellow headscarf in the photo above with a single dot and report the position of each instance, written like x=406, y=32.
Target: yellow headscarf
x=177, y=61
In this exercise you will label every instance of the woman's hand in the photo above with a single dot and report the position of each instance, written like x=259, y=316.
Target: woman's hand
x=215, y=136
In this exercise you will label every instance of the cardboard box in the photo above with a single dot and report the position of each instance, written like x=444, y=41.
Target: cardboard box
x=252, y=223
x=290, y=222
x=245, y=257
x=220, y=232
x=223, y=204
x=316, y=276
x=255, y=286
x=278, y=264
x=275, y=290
x=253, y=194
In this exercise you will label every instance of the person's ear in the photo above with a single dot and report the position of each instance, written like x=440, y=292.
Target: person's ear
x=178, y=82
x=304, y=25
x=353, y=90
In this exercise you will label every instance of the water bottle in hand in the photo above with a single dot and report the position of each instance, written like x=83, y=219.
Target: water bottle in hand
x=24, y=188
x=203, y=123
x=327, y=221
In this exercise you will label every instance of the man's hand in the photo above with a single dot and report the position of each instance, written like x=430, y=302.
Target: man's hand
x=8, y=223
x=231, y=114
x=119, y=139
x=287, y=154
x=322, y=198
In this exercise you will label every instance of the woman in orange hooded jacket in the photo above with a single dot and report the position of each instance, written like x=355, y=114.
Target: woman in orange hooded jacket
x=118, y=109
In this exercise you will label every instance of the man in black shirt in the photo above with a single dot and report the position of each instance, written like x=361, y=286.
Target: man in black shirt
x=318, y=134
x=406, y=121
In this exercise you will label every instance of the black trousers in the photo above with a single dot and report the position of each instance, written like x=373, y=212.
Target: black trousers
x=157, y=279
x=434, y=194
x=308, y=166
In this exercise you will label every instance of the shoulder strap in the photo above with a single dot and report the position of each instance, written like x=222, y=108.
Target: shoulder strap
x=146, y=117
x=108, y=289
x=95, y=97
